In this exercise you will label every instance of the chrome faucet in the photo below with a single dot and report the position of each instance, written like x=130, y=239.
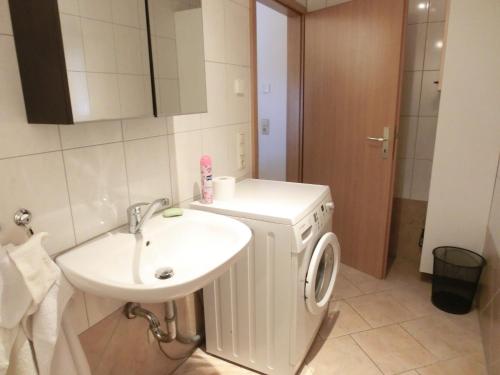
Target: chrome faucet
x=136, y=219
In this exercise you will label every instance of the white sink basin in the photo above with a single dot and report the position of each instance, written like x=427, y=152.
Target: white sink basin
x=198, y=247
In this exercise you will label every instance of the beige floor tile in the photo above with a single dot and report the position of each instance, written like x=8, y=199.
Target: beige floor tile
x=466, y=365
x=339, y=356
x=412, y=372
x=393, y=349
x=469, y=322
x=341, y=320
x=380, y=309
x=201, y=363
x=416, y=300
x=365, y=282
x=443, y=337
x=344, y=289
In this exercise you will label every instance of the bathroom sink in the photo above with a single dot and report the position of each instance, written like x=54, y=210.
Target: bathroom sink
x=168, y=259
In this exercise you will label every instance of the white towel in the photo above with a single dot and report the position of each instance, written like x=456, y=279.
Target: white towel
x=15, y=297
x=50, y=293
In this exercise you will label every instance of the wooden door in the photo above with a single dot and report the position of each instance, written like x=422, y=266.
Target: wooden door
x=353, y=65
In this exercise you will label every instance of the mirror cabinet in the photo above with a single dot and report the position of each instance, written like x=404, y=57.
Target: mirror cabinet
x=93, y=60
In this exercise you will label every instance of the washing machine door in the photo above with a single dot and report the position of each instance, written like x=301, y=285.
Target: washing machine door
x=322, y=273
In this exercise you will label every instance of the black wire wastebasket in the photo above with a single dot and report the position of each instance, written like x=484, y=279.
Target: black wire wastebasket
x=455, y=278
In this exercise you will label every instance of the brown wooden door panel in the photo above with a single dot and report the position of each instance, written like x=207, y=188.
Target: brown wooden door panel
x=352, y=87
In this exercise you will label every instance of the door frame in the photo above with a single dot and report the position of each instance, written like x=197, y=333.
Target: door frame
x=286, y=7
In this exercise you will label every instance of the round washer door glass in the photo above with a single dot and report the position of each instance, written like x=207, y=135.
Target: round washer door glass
x=322, y=273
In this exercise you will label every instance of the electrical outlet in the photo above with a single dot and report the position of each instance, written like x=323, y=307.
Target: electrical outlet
x=264, y=126
x=240, y=149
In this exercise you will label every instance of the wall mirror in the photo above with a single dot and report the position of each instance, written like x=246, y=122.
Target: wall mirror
x=178, y=57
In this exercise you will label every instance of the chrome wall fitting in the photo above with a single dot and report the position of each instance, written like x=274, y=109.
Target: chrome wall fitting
x=22, y=218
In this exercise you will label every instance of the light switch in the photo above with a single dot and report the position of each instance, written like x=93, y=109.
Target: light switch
x=239, y=87
x=264, y=126
x=266, y=88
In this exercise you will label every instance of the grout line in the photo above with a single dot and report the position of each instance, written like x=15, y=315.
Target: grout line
x=67, y=191
x=126, y=168
x=366, y=353
x=227, y=63
x=421, y=345
x=31, y=154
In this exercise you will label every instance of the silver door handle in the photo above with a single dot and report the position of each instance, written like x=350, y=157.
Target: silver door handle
x=384, y=140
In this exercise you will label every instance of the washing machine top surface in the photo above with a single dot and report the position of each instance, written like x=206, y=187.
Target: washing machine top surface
x=272, y=201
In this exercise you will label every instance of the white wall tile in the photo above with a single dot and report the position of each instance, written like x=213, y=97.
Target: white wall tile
x=407, y=137
x=185, y=150
x=68, y=7
x=17, y=137
x=426, y=137
x=96, y=9
x=77, y=313
x=79, y=94
x=99, y=46
x=429, y=101
x=104, y=96
x=126, y=12
x=421, y=180
x=183, y=123
x=437, y=10
x=245, y=3
x=5, y=24
x=162, y=18
x=97, y=186
x=412, y=82
x=143, y=127
x=166, y=58
x=313, y=5
x=73, y=42
x=135, y=96
x=170, y=101
x=216, y=95
x=148, y=169
x=213, y=30
x=404, y=173
x=418, y=11
x=415, y=46
x=434, y=46
x=237, y=32
x=36, y=182
x=217, y=144
x=129, y=49
x=98, y=308
x=90, y=134
x=238, y=105
x=331, y=3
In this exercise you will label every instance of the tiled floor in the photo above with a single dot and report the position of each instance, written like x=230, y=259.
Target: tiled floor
x=381, y=327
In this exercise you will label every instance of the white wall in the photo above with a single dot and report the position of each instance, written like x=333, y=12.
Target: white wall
x=79, y=180
x=272, y=73
x=468, y=134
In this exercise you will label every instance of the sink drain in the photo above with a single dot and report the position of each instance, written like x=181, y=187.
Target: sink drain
x=164, y=273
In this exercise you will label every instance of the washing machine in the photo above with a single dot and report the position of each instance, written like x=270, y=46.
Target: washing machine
x=265, y=312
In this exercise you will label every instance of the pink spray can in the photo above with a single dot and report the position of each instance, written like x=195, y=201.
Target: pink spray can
x=207, y=189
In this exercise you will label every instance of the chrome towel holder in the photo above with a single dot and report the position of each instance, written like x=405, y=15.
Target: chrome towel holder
x=22, y=218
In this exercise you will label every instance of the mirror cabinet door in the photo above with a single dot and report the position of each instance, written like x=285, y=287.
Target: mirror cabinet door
x=176, y=32
x=107, y=58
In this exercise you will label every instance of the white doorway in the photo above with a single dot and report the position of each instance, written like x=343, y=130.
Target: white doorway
x=272, y=92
